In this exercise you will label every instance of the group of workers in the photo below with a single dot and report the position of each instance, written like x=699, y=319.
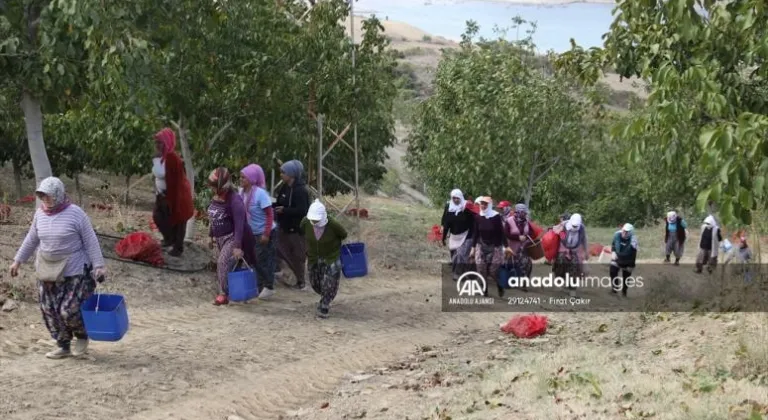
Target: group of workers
x=244, y=226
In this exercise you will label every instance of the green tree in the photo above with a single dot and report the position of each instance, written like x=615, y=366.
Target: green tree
x=705, y=61
x=496, y=124
x=52, y=52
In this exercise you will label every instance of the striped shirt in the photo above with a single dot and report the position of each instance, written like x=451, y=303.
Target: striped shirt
x=68, y=232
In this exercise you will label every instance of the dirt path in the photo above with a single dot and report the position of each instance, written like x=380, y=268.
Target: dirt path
x=184, y=358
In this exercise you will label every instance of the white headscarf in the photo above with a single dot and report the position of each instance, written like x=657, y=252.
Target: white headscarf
x=489, y=212
x=575, y=221
x=710, y=221
x=457, y=208
x=317, y=213
x=671, y=217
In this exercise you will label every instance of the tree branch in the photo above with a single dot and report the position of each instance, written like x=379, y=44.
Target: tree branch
x=551, y=165
x=219, y=133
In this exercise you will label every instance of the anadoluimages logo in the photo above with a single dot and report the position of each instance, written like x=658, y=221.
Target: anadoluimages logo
x=471, y=283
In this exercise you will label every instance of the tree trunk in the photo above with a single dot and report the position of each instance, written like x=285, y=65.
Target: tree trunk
x=17, y=178
x=189, y=167
x=33, y=120
x=127, y=189
x=79, y=190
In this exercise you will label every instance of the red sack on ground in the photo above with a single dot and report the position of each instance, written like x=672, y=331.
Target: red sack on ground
x=550, y=242
x=436, y=234
x=526, y=326
x=595, y=250
x=140, y=246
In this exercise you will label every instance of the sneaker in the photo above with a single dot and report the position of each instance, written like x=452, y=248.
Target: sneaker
x=175, y=252
x=266, y=293
x=80, y=346
x=221, y=300
x=300, y=286
x=58, y=354
x=322, y=312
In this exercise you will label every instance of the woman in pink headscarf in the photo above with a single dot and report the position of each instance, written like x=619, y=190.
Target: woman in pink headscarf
x=258, y=210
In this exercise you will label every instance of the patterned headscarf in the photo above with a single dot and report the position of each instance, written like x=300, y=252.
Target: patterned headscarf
x=521, y=212
x=167, y=137
x=220, y=180
x=54, y=188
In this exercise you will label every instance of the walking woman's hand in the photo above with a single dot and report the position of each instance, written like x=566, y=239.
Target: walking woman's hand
x=99, y=273
x=237, y=253
x=264, y=239
x=472, y=253
x=14, y=269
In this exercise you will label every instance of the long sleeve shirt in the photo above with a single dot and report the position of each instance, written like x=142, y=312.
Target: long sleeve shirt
x=456, y=224
x=489, y=231
x=67, y=232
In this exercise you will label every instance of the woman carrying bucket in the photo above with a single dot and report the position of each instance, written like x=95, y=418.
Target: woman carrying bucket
x=259, y=212
x=324, y=237
x=229, y=229
x=68, y=260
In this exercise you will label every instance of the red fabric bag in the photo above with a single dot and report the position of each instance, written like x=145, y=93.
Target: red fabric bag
x=536, y=231
x=526, y=326
x=140, y=246
x=595, y=250
x=550, y=242
x=436, y=234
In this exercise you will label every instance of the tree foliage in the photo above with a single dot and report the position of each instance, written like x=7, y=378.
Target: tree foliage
x=707, y=112
x=496, y=124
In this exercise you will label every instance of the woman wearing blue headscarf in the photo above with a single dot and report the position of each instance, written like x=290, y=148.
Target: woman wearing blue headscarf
x=292, y=204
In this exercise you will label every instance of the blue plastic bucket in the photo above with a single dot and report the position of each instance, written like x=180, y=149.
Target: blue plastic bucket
x=105, y=317
x=354, y=260
x=505, y=272
x=243, y=285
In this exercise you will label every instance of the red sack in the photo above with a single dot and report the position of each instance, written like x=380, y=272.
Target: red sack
x=526, y=326
x=550, y=242
x=436, y=234
x=536, y=231
x=595, y=250
x=140, y=246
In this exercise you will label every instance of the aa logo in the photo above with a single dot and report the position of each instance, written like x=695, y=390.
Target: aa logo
x=471, y=283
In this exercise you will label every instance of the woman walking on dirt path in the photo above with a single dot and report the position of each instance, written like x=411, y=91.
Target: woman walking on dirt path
x=459, y=222
x=291, y=206
x=572, y=252
x=675, y=234
x=173, y=201
x=489, y=243
x=324, y=237
x=709, y=245
x=518, y=231
x=259, y=212
x=229, y=229
x=623, y=257
x=68, y=259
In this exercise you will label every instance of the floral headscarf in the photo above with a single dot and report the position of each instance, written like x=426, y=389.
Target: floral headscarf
x=54, y=188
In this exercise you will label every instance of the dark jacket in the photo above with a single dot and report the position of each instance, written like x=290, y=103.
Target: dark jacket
x=295, y=202
x=457, y=224
x=625, y=249
x=680, y=231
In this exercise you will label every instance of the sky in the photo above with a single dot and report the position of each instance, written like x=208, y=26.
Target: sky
x=584, y=22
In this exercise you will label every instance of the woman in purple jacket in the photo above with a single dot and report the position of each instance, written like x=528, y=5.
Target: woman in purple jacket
x=229, y=229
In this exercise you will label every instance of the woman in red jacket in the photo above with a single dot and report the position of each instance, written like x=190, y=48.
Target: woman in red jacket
x=173, y=204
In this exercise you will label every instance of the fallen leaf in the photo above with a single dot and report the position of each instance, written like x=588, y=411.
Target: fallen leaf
x=627, y=396
x=325, y=405
x=656, y=352
x=602, y=328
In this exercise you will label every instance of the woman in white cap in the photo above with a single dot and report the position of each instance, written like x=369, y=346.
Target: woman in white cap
x=623, y=256
x=324, y=237
x=69, y=262
x=708, y=245
x=675, y=233
x=573, y=251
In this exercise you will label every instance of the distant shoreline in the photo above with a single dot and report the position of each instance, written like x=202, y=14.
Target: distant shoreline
x=544, y=3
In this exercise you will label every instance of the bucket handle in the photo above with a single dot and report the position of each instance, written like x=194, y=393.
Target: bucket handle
x=237, y=263
x=99, y=281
